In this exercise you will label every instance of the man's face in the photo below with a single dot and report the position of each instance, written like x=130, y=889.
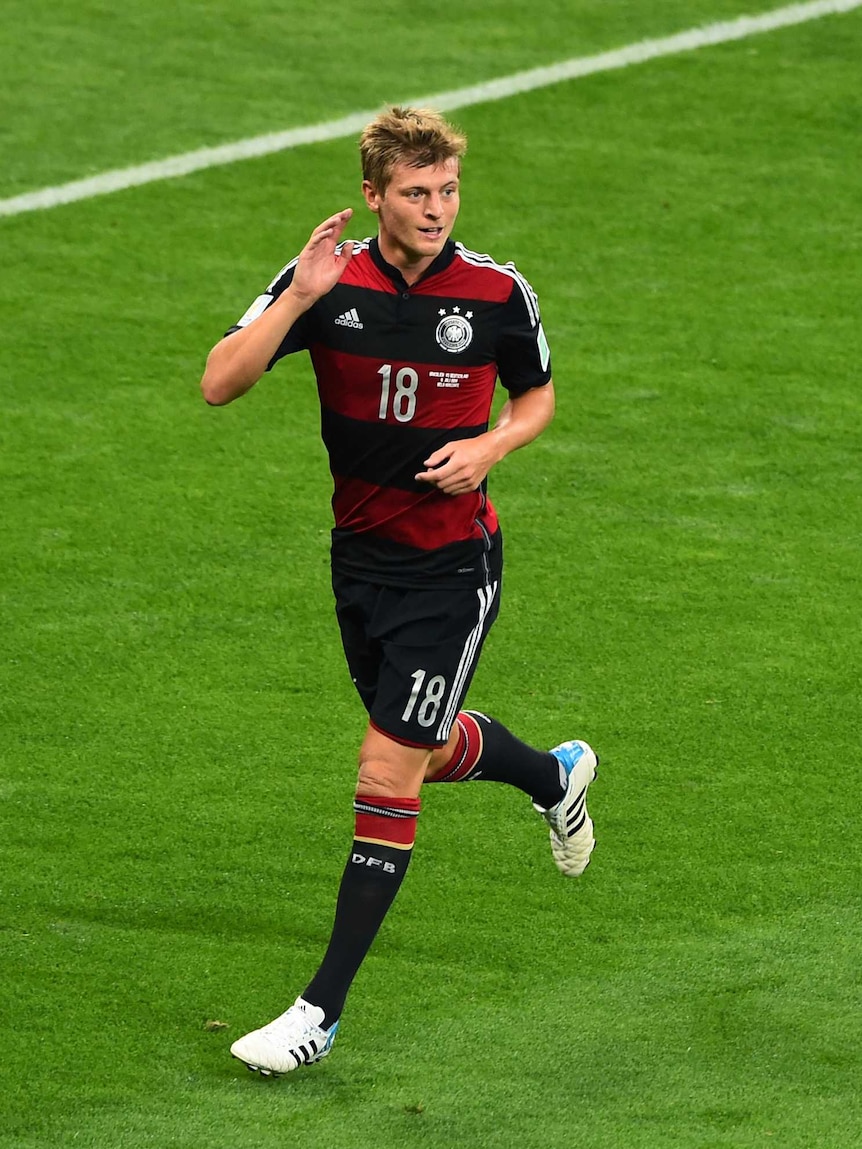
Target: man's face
x=417, y=211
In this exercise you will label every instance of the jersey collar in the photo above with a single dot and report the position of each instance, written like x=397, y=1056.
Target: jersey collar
x=440, y=264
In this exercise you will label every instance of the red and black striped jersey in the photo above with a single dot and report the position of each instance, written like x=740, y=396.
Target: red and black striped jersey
x=402, y=370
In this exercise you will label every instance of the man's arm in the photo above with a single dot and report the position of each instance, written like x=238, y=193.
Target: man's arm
x=460, y=466
x=237, y=362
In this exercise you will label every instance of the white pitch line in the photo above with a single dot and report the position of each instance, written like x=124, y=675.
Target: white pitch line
x=181, y=165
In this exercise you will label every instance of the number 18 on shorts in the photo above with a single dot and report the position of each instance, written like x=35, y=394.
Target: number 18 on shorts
x=412, y=653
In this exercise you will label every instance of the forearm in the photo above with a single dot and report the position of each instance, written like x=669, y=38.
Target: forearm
x=237, y=362
x=461, y=465
x=522, y=420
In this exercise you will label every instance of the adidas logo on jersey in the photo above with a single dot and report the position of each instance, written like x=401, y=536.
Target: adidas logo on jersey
x=350, y=319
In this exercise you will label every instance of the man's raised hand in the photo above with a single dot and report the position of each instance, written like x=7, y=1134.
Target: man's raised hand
x=319, y=267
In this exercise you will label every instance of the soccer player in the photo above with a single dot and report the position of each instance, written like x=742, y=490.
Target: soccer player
x=408, y=333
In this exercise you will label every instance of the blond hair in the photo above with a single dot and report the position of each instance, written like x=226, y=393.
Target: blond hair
x=419, y=137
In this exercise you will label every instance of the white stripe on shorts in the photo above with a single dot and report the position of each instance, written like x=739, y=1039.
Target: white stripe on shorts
x=486, y=596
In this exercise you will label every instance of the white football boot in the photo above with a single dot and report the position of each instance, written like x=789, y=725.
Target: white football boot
x=571, y=827
x=293, y=1039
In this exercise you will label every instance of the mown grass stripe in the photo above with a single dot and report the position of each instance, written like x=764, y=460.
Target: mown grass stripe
x=638, y=53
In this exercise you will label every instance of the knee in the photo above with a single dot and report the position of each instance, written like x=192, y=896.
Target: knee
x=389, y=770
x=381, y=777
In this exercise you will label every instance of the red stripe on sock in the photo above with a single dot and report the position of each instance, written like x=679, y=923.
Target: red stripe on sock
x=398, y=827
x=468, y=750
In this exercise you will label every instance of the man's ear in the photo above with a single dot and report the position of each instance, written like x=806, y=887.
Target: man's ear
x=372, y=199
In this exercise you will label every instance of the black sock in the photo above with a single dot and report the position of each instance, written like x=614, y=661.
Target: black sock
x=371, y=879
x=487, y=750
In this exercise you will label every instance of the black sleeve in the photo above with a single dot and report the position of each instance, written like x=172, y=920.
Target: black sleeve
x=523, y=355
x=297, y=338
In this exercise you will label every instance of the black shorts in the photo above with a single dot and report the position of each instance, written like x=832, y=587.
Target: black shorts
x=412, y=653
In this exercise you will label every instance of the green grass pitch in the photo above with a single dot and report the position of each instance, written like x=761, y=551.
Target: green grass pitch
x=177, y=729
